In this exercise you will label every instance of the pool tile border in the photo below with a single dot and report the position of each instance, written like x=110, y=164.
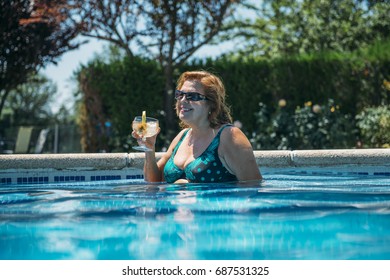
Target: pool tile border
x=23, y=177
x=64, y=168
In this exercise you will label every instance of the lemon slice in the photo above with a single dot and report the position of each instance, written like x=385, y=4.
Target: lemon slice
x=142, y=125
x=143, y=121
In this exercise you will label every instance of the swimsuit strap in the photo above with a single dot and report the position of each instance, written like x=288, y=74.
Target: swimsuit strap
x=222, y=128
x=178, y=143
x=216, y=138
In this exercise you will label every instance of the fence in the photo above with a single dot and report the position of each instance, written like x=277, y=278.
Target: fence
x=36, y=139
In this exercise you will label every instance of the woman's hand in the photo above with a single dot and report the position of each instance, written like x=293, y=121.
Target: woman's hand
x=181, y=181
x=150, y=142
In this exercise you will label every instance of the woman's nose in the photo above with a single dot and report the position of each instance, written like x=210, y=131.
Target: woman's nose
x=182, y=98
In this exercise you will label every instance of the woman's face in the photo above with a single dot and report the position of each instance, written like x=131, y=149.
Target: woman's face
x=193, y=112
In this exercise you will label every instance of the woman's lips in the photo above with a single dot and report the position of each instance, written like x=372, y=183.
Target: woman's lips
x=185, y=110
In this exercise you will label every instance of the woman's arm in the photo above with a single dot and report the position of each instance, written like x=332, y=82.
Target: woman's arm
x=236, y=153
x=153, y=170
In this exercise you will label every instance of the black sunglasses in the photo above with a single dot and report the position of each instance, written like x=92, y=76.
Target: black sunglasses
x=190, y=96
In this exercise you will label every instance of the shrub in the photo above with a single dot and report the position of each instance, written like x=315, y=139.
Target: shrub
x=307, y=127
x=374, y=126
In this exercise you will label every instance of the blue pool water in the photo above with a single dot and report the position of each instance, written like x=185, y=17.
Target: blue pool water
x=289, y=216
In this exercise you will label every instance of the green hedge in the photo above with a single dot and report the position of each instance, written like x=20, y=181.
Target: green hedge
x=352, y=81
x=126, y=87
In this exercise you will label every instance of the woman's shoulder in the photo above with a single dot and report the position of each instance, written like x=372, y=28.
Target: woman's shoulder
x=181, y=133
x=177, y=138
x=173, y=144
x=233, y=136
x=229, y=130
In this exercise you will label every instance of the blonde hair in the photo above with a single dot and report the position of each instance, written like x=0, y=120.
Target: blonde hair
x=214, y=91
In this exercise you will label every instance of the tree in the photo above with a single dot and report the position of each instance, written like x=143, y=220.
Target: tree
x=288, y=27
x=32, y=34
x=30, y=103
x=170, y=31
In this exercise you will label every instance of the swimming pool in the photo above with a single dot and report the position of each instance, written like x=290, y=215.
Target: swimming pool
x=294, y=214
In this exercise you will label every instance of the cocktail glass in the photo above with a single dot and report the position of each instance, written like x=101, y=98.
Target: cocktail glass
x=147, y=129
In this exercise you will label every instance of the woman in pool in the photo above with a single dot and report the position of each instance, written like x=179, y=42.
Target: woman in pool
x=208, y=149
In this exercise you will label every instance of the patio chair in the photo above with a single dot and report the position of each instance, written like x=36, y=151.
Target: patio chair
x=23, y=140
x=41, y=140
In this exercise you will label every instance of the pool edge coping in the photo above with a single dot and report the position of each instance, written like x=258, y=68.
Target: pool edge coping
x=118, y=161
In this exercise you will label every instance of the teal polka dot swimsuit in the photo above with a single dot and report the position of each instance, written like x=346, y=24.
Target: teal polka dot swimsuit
x=207, y=168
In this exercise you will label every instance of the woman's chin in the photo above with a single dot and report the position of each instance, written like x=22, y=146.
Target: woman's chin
x=183, y=117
